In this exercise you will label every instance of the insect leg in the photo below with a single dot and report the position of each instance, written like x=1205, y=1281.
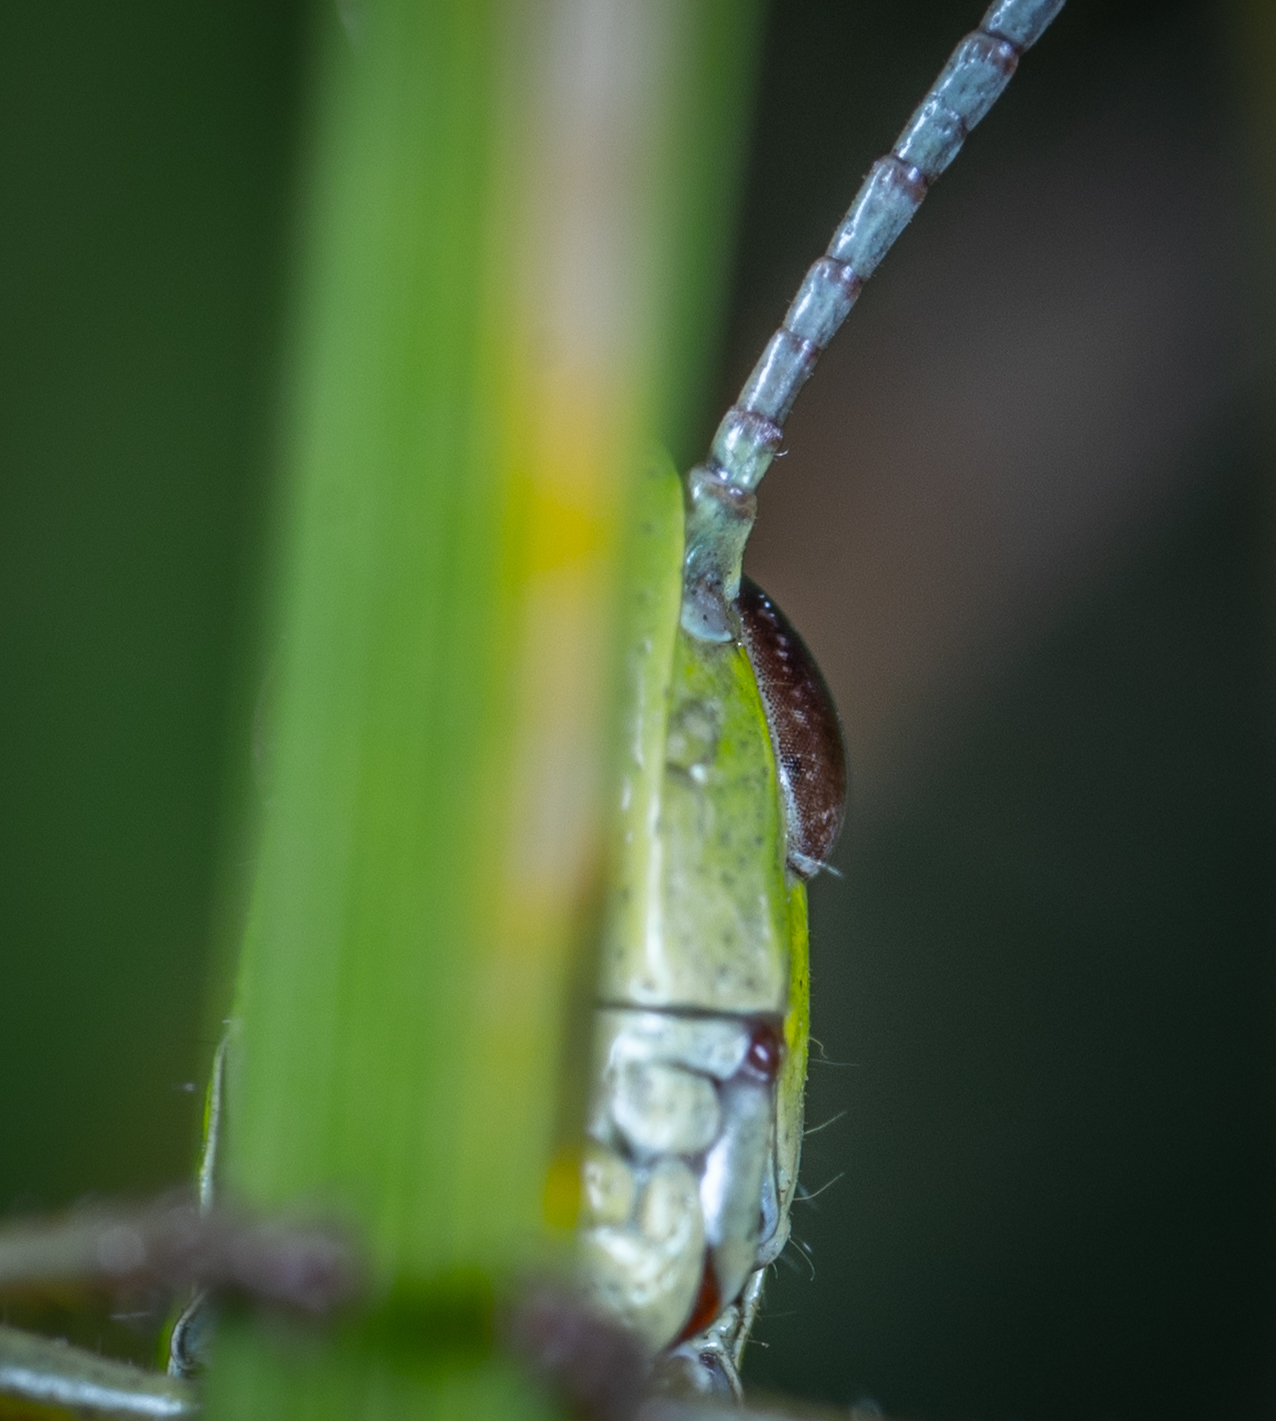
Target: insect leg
x=46, y=1375
x=191, y=1334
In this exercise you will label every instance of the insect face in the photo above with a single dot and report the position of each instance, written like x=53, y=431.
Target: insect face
x=679, y=1146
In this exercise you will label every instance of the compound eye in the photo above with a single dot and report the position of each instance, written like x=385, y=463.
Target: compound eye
x=805, y=731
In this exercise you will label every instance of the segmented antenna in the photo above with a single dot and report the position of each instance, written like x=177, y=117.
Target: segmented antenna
x=721, y=504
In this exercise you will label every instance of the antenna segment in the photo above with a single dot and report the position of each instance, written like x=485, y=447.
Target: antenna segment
x=721, y=504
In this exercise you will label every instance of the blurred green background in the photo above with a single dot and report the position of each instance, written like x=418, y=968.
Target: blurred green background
x=147, y=159
x=1025, y=526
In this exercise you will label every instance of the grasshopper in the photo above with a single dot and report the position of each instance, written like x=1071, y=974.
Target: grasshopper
x=733, y=792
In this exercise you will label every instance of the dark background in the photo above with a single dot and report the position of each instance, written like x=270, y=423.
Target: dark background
x=1024, y=523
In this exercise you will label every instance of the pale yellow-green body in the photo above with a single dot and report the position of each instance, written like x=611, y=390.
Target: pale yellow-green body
x=699, y=908
x=692, y=1157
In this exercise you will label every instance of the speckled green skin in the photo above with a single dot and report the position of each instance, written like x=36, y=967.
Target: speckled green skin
x=705, y=932
x=700, y=902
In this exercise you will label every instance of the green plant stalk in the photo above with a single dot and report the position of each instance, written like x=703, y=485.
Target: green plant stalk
x=495, y=233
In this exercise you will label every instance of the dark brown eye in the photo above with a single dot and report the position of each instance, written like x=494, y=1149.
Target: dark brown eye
x=805, y=730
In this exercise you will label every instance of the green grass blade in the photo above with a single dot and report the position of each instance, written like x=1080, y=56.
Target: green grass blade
x=485, y=304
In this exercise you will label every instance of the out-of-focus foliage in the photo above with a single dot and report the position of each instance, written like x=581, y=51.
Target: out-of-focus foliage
x=494, y=219
x=1048, y=966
